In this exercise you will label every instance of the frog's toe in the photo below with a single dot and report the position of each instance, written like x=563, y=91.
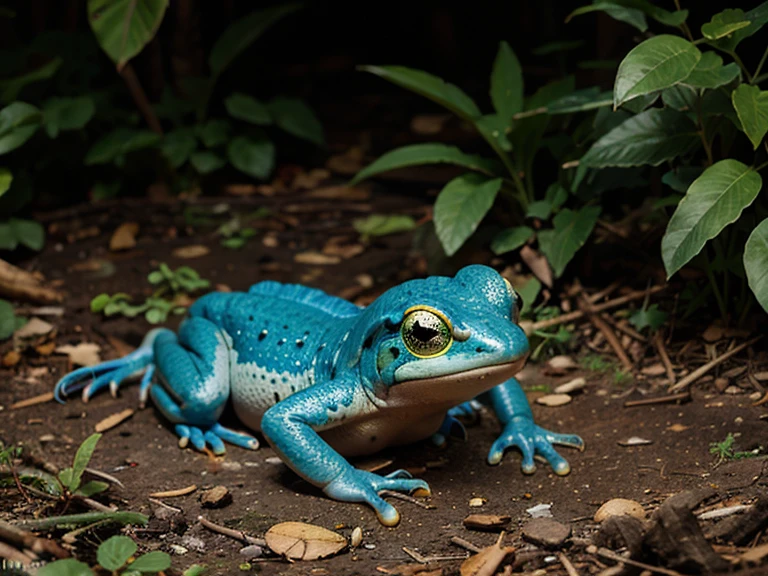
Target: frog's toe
x=467, y=410
x=215, y=443
x=386, y=513
x=559, y=464
x=236, y=438
x=401, y=481
x=438, y=440
x=569, y=440
x=197, y=438
x=519, y=441
x=183, y=432
x=452, y=428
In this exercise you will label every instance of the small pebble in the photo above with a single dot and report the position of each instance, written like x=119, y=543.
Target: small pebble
x=273, y=460
x=252, y=551
x=552, y=400
x=635, y=441
x=216, y=497
x=733, y=390
x=369, y=546
x=755, y=396
x=571, y=386
x=178, y=550
x=47, y=438
x=477, y=502
x=193, y=543
x=546, y=532
x=357, y=537
x=619, y=507
x=232, y=466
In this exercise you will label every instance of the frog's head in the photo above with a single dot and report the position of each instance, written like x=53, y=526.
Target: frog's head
x=451, y=337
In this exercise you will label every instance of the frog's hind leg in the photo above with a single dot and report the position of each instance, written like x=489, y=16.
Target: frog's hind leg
x=193, y=384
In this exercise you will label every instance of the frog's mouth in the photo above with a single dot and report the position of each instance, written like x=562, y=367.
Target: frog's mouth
x=452, y=389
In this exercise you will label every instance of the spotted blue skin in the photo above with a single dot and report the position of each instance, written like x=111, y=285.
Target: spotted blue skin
x=299, y=365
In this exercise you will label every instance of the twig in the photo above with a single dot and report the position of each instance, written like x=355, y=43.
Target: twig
x=71, y=536
x=658, y=341
x=415, y=555
x=407, y=498
x=608, y=290
x=90, y=503
x=578, y=314
x=609, y=334
x=567, y=565
x=236, y=534
x=631, y=332
x=140, y=98
x=164, y=505
x=173, y=493
x=699, y=372
x=605, y=553
x=41, y=399
x=10, y=553
x=466, y=544
x=18, y=283
x=22, y=538
x=104, y=476
x=658, y=400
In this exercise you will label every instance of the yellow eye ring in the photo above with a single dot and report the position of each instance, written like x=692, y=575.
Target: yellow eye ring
x=426, y=332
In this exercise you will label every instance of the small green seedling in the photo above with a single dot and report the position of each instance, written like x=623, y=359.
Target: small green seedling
x=183, y=279
x=383, y=225
x=723, y=451
x=70, y=478
x=233, y=232
x=237, y=239
x=9, y=321
x=114, y=555
x=648, y=316
x=596, y=363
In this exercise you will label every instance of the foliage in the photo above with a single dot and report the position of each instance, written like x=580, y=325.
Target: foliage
x=724, y=451
x=9, y=321
x=172, y=291
x=383, y=225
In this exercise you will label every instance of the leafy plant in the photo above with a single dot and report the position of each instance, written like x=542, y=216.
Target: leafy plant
x=723, y=451
x=116, y=554
x=9, y=321
x=172, y=291
x=383, y=225
x=70, y=478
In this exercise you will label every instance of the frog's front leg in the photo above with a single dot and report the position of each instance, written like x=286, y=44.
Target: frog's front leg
x=511, y=407
x=291, y=428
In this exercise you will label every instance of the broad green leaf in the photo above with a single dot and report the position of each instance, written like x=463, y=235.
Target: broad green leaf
x=714, y=200
x=244, y=32
x=631, y=16
x=195, y=570
x=67, y=114
x=7, y=320
x=571, y=229
x=8, y=239
x=67, y=478
x=6, y=179
x=99, y=302
x=178, y=145
x=206, y=162
x=658, y=63
x=18, y=122
x=506, y=84
x=756, y=262
x=114, y=552
x=651, y=137
x=66, y=567
x=554, y=197
x=460, y=207
x=93, y=487
x=83, y=457
x=757, y=17
x=296, y=118
x=247, y=108
x=124, y=27
x=382, y=224
x=436, y=89
x=214, y=132
x=724, y=23
x=751, y=105
x=10, y=88
x=28, y=232
x=528, y=293
x=495, y=132
x=579, y=101
x=651, y=316
x=511, y=239
x=119, y=142
x=156, y=316
x=151, y=562
x=641, y=103
x=673, y=19
x=418, y=154
x=252, y=155
x=681, y=177
x=710, y=72
x=680, y=97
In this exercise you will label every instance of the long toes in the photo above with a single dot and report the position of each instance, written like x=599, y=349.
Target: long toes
x=146, y=382
x=183, y=433
x=496, y=453
x=559, y=464
x=236, y=438
x=399, y=474
x=215, y=443
x=569, y=440
x=387, y=514
x=407, y=485
x=197, y=438
x=111, y=379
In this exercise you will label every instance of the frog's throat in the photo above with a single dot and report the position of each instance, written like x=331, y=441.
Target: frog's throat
x=451, y=389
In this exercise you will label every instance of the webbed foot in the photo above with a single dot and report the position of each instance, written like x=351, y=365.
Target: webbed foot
x=533, y=440
x=354, y=485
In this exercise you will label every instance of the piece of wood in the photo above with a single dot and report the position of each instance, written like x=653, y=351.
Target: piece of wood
x=610, y=336
x=25, y=539
x=658, y=341
x=680, y=397
x=20, y=284
x=699, y=372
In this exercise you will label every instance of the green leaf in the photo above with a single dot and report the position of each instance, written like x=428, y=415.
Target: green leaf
x=67, y=114
x=554, y=197
x=244, y=32
x=756, y=262
x=495, y=132
x=29, y=233
x=673, y=19
x=234, y=243
x=631, y=16
x=579, y=101
x=7, y=320
x=651, y=137
x=67, y=567
x=214, y=133
x=725, y=23
x=681, y=177
x=206, y=162
x=460, y=207
x=114, y=552
x=247, y=108
x=99, y=302
x=650, y=316
x=252, y=155
x=8, y=239
x=511, y=239
x=436, y=89
x=195, y=570
x=93, y=487
x=528, y=293
x=10, y=88
x=571, y=231
x=119, y=142
x=506, y=84
x=757, y=17
x=714, y=200
x=151, y=562
x=178, y=145
x=751, y=105
x=6, y=179
x=18, y=122
x=658, y=63
x=85, y=518
x=383, y=225
x=82, y=458
x=296, y=118
x=418, y=154
x=710, y=72
x=680, y=97
x=67, y=478
x=156, y=316
x=124, y=27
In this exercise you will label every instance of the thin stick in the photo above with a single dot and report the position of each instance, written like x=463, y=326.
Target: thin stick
x=415, y=555
x=658, y=341
x=570, y=568
x=631, y=332
x=466, y=544
x=236, y=534
x=658, y=400
x=22, y=538
x=173, y=493
x=407, y=498
x=578, y=314
x=699, y=372
x=104, y=476
x=10, y=553
x=609, y=334
x=140, y=98
x=610, y=289
x=40, y=399
x=605, y=553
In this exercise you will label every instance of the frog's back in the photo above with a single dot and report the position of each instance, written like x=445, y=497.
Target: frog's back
x=279, y=333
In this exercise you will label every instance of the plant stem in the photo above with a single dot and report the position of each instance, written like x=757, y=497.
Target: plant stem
x=703, y=133
x=140, y=98
x=684, y=26
x=716, y=291
x=760, y=66
x=521, y=196
x=760, y=78
x=741, y=65
x=763, y=165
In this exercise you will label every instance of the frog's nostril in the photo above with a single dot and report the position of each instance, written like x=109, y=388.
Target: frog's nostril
x=479, y=349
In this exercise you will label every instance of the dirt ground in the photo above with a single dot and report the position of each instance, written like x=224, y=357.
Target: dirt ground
x=143, y=454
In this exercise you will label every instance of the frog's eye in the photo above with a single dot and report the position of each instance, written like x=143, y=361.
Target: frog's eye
x=426, y=332
x=517, y=302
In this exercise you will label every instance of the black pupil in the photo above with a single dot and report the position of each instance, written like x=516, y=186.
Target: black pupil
x=423, y=333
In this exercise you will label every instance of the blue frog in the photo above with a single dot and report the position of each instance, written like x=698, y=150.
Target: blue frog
x=322, y=378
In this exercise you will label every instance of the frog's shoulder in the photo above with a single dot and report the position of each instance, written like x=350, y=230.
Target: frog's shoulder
x=300, y=294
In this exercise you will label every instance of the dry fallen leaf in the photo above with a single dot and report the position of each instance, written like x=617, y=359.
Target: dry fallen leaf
x=124, y=237
x=315, y=258
x=538, y=265
x=11, y=358
x=193, y=251
x=488, y=522
x=310, y=179
x=83, y=354
x=301, y=541
x=485, y=562
x=33, y=329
